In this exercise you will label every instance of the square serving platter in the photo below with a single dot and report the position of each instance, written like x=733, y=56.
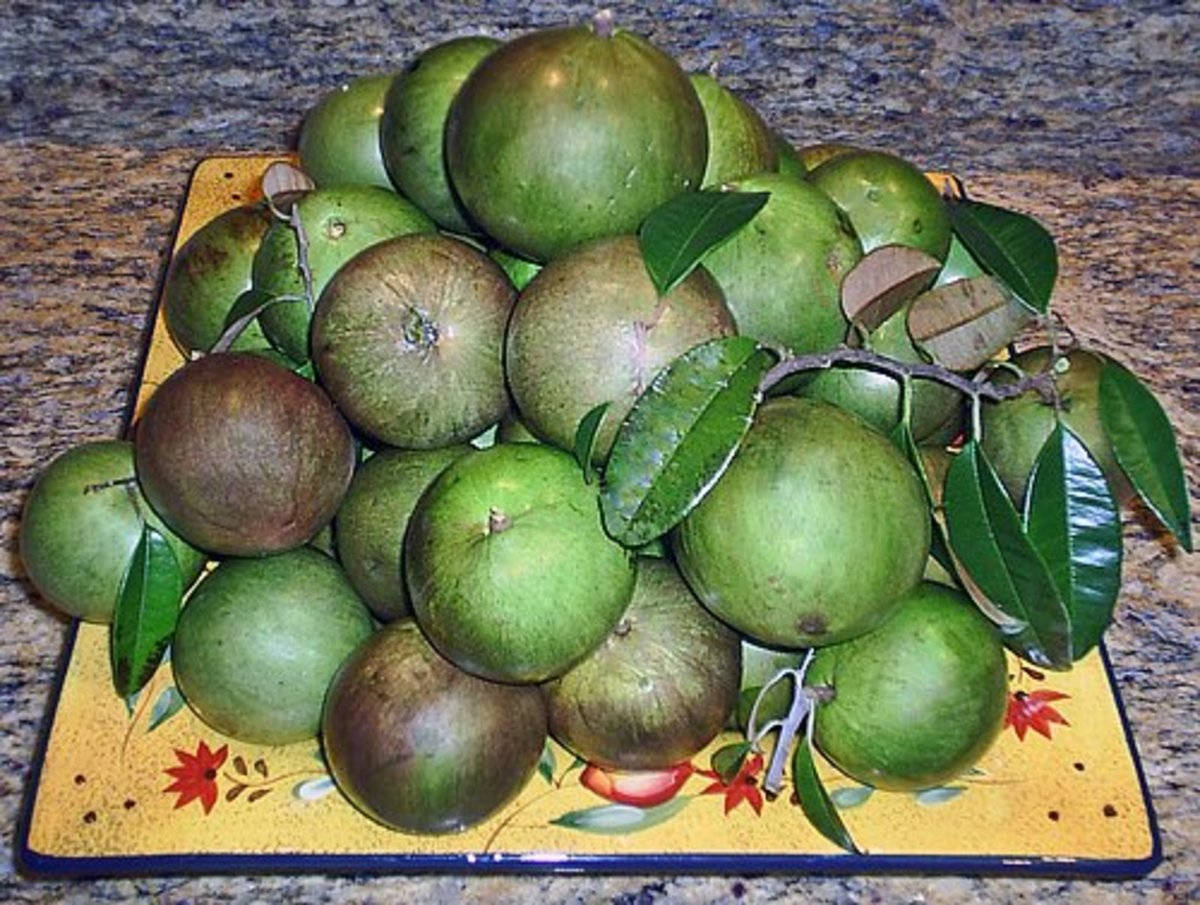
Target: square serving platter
x=1069, y=801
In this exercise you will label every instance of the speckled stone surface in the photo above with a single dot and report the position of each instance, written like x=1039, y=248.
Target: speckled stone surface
x=1083, y=114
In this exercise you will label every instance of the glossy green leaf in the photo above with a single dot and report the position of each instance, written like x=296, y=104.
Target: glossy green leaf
x=1012, y=246
x=614, y=819
x=585, y=439
x=680, y=436
x=815, y=801
x=989, y=541
x=850, y=796
x=1072, y=520
x=246, y=308
x=546, y=763
x=1144, y=444
x=677, y=234
x=728, y=759
x=145, y=613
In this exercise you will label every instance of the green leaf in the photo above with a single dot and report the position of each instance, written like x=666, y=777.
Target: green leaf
x=680, y=436
x=1012, y=246
x=248, y=306
x=546, y=763
x=1072, y=520
x=815, y=801
x=938, y=795
x=1145, y=448
x=850, y=796
x=727, y=760
x=169, y=703
x=614, y=819
x=585, y=439
x=677, y=234
x=987, y=538
x=145, y=613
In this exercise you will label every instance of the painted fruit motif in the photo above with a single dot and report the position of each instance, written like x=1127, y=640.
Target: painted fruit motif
x=242, y=457
x=80, y=525
x=509, y=569
x=625, y=110
x=812, y=534
x=408, y=339
x=657, y=689
x=918, y=700
x=423, y=747
x=259, y=640
x=591, y=328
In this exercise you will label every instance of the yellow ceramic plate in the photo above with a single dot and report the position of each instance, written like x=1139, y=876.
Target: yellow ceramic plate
x=142, y=786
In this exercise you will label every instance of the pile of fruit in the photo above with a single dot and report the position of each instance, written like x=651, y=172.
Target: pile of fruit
x=558, y=394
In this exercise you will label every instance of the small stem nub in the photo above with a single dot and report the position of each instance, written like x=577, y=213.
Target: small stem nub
x=497, y=521
x=602, y=23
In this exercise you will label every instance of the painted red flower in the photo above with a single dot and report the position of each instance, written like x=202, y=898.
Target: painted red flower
x=743, y=786
x=640, y=788
x=1032, y=709
x=196, y=775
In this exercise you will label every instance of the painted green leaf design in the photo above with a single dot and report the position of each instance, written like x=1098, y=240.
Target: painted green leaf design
x=1144, y=444
x=1012, y=246
x=585, y=439
x=680, y=436
x=989, y=542
x=938, y=795
x=815, y=801
x=850, y=796
x=676, y=235
x=168, y=703
x=614, y=819
x=546, y=763
x=1072, y=520
x=145, y=613
x=727, y=760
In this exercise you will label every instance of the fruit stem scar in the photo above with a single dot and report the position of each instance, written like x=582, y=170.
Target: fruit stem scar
x=497, y=521
x=602, y=23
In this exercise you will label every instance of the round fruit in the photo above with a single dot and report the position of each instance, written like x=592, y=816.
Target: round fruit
x=812, y=156
x=423, y=747
x=591, y=328
x=242, y=457
x=371, y=521
x=782, y=273
x=739, y=142
x=660, y=686
x=875, y=396
x=511, y=430
x=408, y=338
x=208, y=274
x=339, y=140
x=888, y=200
x=1015, y=430
x=812, y=533
x=80, y=525
x=960, y=264
x=917, y=701
x=259, y=641
x=339, y=222
x=511, y=574
x=412, y=130
x=570, y=134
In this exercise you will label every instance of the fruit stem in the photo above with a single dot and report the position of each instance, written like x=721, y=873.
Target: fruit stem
x=602, y=23
x=497, y=521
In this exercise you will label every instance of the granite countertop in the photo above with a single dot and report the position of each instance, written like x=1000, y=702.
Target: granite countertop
x=1083, y=114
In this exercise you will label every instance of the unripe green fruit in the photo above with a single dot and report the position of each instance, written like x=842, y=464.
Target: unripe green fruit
x=259, y=641
x=918, y=700
x=79, y=529
x=813, y=532
x=739, y=142
x=511, y=574
x=339, y=139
